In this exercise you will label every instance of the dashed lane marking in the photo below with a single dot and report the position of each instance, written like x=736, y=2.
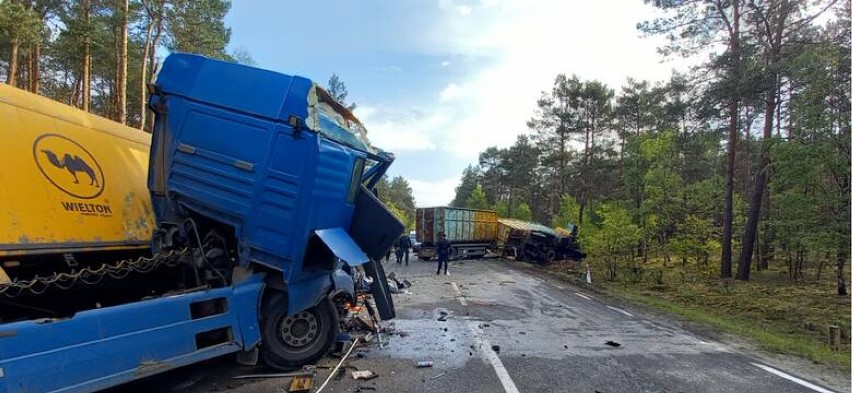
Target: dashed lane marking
x=485, y=347
x=792, y=378
x=620, y=310
x=583, y=296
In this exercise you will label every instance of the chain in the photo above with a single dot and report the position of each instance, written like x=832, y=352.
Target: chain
x=89, y=276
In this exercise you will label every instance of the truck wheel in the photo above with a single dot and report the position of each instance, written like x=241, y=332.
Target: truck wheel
x=290, y=341
x=549, y=257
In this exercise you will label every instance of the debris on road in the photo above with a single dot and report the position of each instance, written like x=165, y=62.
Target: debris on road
x=613, y=344
x=275, y=375
x=437, y=376
x=302, y=383
x=443, y=317
x=364, y=374
x=424, y=363
x=334, y=371
x=496, y=349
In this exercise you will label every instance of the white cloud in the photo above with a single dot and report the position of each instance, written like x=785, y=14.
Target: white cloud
x=450, y=92
x=530, y=42
x=434, y=193
x=461, y=9
x=510, y=51
x=396, y=130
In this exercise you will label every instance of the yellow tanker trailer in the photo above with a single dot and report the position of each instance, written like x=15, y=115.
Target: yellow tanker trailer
x=72, y=188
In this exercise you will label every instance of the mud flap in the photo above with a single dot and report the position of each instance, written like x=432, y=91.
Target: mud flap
x=380, y=290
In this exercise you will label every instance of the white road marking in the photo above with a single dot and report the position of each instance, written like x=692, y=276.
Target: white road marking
x=583, y=296
x=620, y=310
x=794, y=379
x=461, y=297
x=488, y=354
x=558, y=286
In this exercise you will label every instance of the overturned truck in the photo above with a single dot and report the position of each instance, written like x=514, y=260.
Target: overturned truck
x=529, y=241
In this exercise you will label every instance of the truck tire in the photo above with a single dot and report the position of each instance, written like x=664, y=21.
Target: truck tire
x=549, y=257
x=291, y=341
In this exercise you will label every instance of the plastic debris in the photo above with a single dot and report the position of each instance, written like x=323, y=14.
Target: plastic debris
x=364, y=374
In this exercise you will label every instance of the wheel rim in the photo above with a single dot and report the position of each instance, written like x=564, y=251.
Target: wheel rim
x=299, y=330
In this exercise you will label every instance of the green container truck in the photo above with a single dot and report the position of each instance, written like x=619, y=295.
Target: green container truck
x=470, y=232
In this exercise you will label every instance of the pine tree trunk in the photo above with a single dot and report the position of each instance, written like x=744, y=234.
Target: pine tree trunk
x=35, y=70
x=121, y=102
x=733, y=131
x=760, y=178
x=12, y=73
x=766, y=248
x=86, y=79
x=143, y=100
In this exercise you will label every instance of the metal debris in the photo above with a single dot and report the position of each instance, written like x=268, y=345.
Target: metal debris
x=613, y=344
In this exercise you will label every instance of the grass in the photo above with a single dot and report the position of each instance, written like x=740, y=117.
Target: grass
x=770, y=310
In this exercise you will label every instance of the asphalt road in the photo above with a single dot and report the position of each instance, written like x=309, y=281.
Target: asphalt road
x=510, y=328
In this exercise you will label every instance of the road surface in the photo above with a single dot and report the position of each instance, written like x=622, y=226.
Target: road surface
x=511, y=328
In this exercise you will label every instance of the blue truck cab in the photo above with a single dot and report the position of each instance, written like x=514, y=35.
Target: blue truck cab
x=268, y=229
x=265, y=172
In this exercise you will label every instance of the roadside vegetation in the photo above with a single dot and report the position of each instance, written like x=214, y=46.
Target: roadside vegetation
x=770, y=310
x=722, y=194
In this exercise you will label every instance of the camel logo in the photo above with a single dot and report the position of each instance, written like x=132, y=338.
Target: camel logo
x=68, y=166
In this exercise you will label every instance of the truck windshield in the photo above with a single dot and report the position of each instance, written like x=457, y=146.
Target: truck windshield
x=336, y=122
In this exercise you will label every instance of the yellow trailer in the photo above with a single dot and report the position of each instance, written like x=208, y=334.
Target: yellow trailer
x=70, y=181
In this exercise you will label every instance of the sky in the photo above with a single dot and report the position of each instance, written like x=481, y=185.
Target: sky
x=438, y=81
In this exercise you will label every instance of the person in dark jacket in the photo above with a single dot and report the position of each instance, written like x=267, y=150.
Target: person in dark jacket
x=402, y=246
x=443, y=249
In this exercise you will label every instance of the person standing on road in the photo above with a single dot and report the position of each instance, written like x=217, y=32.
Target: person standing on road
x=443, y=249
x=402, y=246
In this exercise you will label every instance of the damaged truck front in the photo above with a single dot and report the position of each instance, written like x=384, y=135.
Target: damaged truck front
x=264, y=175
x=267, y=230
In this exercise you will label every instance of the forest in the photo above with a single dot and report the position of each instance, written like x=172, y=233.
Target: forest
x=99, y=55
x=737, y=164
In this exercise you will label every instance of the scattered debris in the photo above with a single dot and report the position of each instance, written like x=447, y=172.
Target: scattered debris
x=365, y=375
x=496, y=349
x=363, y=388
x=522, y=332
x=443, y=317
x=565, y=346
x=334, y=371
x=507, y=282
x=437, y=376
x=445, y=329
x=613, y=344
x=302, y=383
x=424, y=363
x=483, y=325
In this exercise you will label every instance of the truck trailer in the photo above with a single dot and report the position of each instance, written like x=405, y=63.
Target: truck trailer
x=471, y=232
x=257, y=231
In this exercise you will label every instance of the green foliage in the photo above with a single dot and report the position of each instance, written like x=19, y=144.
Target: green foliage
x=397, y=195
x=477, y=200
x=569, y=212
x=523, y=212
x=615, y=237
x=198, y=26
x=18, y=24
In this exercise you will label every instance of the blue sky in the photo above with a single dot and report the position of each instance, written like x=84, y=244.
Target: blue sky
x=438, y=81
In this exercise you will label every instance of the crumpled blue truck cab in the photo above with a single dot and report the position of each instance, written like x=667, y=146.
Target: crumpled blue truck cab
x=265, y=174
